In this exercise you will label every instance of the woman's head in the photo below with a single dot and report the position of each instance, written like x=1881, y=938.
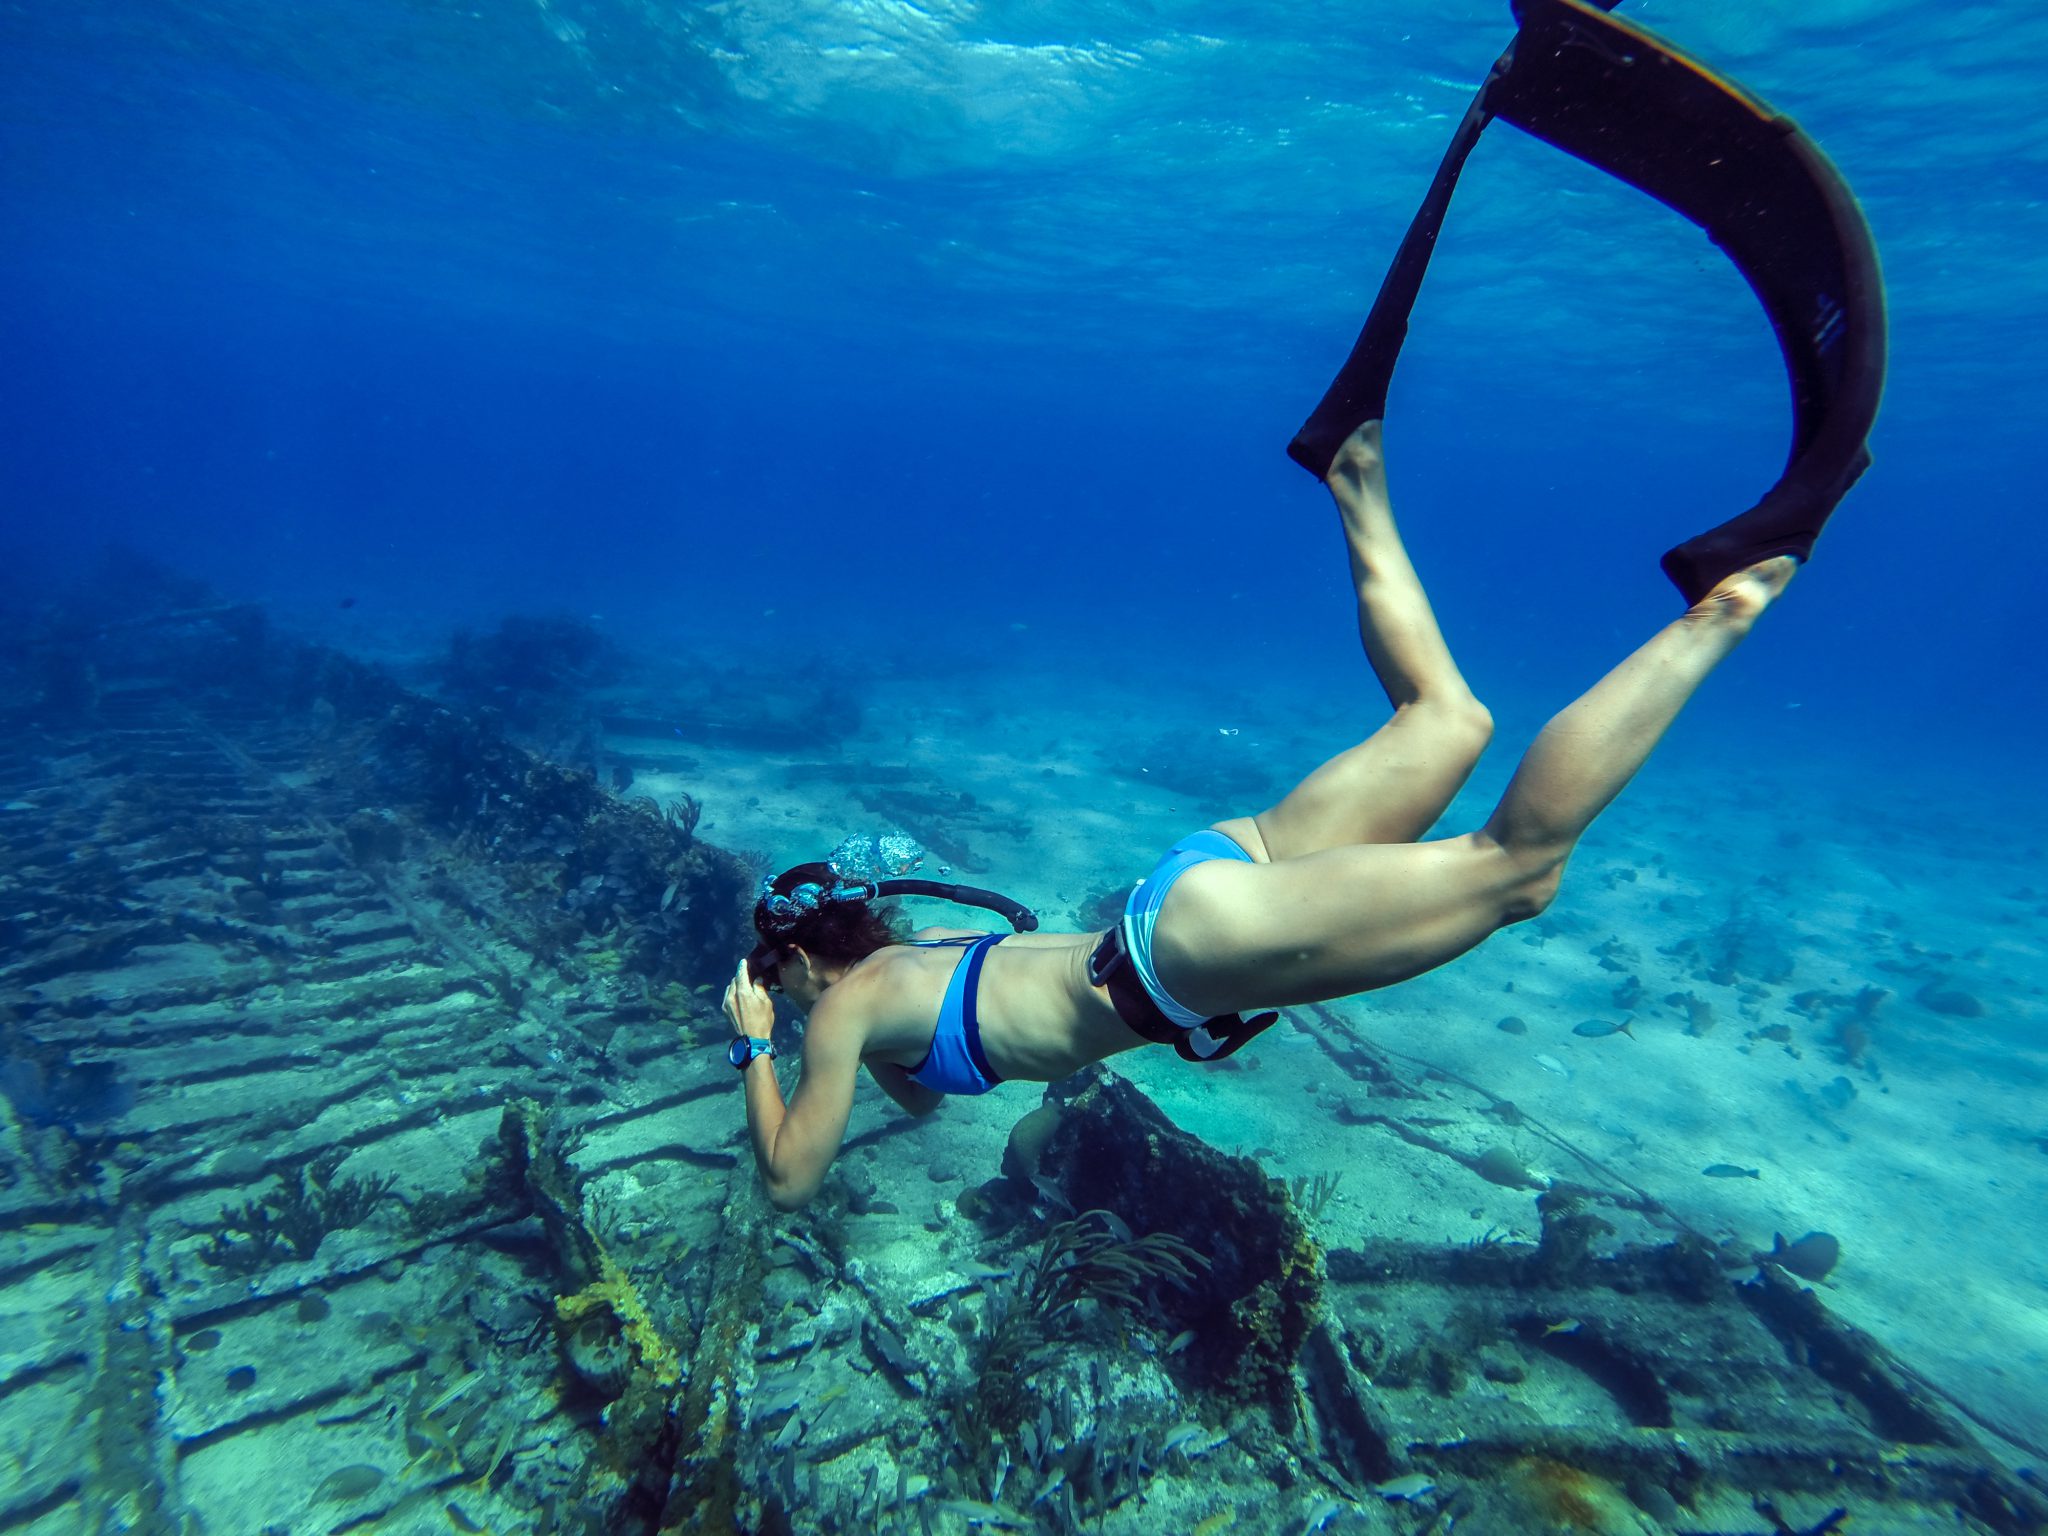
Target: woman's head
x=813, y=908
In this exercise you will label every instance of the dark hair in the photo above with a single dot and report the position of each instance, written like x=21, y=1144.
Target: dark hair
x=837, y=932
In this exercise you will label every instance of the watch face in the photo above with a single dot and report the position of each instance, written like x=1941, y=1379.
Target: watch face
x=740, y=1052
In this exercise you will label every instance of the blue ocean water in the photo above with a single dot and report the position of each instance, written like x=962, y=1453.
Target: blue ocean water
x=953, y=348
x=847, y=306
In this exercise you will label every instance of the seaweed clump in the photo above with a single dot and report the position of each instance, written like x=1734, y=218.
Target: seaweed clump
x=1252, y=1306
x=1565, y=1247
x=1091, y=1258
x=293, y=1219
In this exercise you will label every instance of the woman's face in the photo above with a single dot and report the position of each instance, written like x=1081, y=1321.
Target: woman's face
x=798, y=980
x=793, y=975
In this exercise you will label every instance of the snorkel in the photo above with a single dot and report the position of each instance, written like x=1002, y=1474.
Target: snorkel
x=865, y=867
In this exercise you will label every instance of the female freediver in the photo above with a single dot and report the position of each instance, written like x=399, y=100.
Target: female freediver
x=1326, y=895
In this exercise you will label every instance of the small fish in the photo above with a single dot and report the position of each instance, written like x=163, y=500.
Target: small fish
x=1214, y=1525
x=1052, y=1485
x=1320, y=1516
x=472, y=1420
x=350, y=1483
x=1181, y=1434
x=1730, y=1171
x=1054, y=1195
x=498, y=1455
x=791, y=1433
x=1179, y=1342
x=890, y=1351
x=668, y=897
x=980, y=1272
x=1811, y=1258
x=1552, y=1064
x=1600, y=1029
x=1569, y=1325
x=1226, y=730
x=1003, y=1465
x=1118, y=1227
x=454, y=1392
x=432, y=1435
x=461, y=1521
x=974, y=1512
x=1396, y=1490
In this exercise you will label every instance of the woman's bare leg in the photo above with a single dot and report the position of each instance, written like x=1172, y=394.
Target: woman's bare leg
x=1392, y=787
x=1346, y=920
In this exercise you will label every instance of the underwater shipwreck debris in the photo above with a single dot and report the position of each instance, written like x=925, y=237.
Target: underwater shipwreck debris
x=694, y=1459
x=1092, y=1259
x=1251, y=1307
x=309, y=914
x=609, y=1341
x=291, y=1221
x=538, y=670
x=631, y=874
x=1729, y=1392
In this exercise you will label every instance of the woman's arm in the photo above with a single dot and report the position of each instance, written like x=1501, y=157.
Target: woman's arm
x=795, y=1143
x=895, y=1082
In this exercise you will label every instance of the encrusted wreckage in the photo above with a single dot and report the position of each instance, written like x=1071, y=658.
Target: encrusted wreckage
x=351, y=1180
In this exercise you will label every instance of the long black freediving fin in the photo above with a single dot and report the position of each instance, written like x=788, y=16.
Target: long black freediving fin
x=1630, y=104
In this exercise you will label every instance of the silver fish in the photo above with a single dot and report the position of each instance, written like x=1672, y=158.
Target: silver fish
x=1052, y=1485
x=1320, y=1516
x=1396, y=1490
x=454, y=1392
x=1054, y=1195
x=1552, y=1064
x=1600, y=1029
x=1180, y=1435
x=1730, y=1171
x=974, y=1512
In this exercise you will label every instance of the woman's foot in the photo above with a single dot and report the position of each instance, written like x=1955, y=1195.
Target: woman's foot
x=1358, y=476
x=1742, y=597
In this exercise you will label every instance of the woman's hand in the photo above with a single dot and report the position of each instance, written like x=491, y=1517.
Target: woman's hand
x=749, y=1007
